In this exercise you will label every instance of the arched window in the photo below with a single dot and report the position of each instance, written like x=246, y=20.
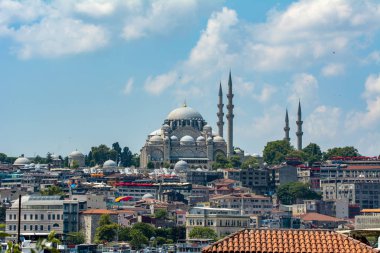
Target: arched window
x=55, y=225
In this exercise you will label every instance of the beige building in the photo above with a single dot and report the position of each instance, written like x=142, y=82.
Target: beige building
x=89, y=221
x=246, y=203
x=223, y=221
x=39, y=216
x=76, y=157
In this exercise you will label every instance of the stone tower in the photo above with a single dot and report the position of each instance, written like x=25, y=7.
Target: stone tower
x=287, y=128
x=230, y=119
x=220, y=113
x=299, y=132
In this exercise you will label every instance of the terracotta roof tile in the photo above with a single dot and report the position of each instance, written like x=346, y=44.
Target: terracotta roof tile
x=99, y=211
x=318, y=217
x=287, y=240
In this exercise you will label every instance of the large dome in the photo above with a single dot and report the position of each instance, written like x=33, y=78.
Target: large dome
x=21, y=161
x=181, y=166
x=109, y=163
x=75, y=154
x=184, y=113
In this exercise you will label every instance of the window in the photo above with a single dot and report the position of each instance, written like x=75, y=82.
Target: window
x=10, y=227
x=36, y=227
x=10, y=217
x=41, y=227
x=49, y=228
x=31, y=227
x=41, y=216
x=53, y=216
x=58, y=216
x=14, y=227
x=49, y=217
x=14, y=216
x=24, y=216
x=55, y=225
x=24, y=227
x=31, y=216
x=36, y=216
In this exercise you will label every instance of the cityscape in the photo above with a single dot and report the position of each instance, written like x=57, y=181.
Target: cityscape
x=219, y=153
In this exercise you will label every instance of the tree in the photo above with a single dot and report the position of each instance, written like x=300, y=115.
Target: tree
x=74, y=164
x=166, y=165
x=145, y=228
x=39, y=159
x=150, y=165
x=296, y=154
x=160, y=240
x=221, y=161
x=203, y=233
x=126, y=157
x=235, y=161
x=313, y=153
x=117, y=148
x=52, y=190
x=2, y=213
x=340, y=151
x=138, y=239
x=124, y=234
x=48, y=245
x=136, y=160
x=105, y=219
x=76, y=237
x=3, y=157
x=289, y=193
x=276, y=151
x=49, y=159
x=160, y=214
x=250, y=162
x=106, y=233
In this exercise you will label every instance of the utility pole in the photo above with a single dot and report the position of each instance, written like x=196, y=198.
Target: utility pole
x=19, y=222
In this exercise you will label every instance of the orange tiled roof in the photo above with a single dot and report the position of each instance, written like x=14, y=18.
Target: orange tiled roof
x=318, y=217
x=99, y=211
x=288, y=240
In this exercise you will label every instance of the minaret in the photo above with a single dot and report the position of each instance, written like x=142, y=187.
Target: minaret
x=220, y=113
x=299, y=132
x=230, y=119
x=287, y=128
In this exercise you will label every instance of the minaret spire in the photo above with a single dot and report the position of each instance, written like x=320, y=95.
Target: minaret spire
x=287, y=128
x=230, y=119
x=220, y=113
x=299, y=132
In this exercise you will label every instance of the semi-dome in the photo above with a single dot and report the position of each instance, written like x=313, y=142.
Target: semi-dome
x=206, y=128
x=21, y=161
x=109, y=163
x=181, y=166
x=218, y=139
x=187, y=140
x=201, y=138
x=184, y=113
x=155, y=139
x=76, y=153
x=174, y=138
x=147, y=196
x=155, y=132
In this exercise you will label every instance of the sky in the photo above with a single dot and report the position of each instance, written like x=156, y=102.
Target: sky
x=80, y=73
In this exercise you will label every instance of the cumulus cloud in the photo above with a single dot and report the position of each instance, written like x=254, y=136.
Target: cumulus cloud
x=371, y=117
x=323, y=122
x=266, y=93
x=128, y=86
x=303, y=87
x=96, y=8
x=333, y=69
x=57, y=37
x=156, y=85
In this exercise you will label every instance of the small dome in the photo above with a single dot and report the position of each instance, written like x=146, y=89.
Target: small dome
x=174, y=138
x=237, y=151
x=76, y=154
x=22, y=161
x=206, y=128
x=187, y=140
x=55, y=157
x=109, y=163
x=201, y=138
x=155, y=139
x=218, y=139
x=165, y=127
x=147, y=196
x=209, y=138
x=181, y=165
x=155, y=132
x=184, y=113
x=166, y=138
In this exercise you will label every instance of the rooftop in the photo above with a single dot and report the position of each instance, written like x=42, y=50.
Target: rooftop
x=318, y=217
x=287, y=240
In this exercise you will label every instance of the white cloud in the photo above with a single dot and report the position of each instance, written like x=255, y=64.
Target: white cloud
x=303, y=87
x=323, y=123
x=333, y=69
x=56, y=37
x=373, y=57
x=96, y=8
x=266, y=93
x=159, y=17
x=156, y=85
x=128, y=86
x=371, y=117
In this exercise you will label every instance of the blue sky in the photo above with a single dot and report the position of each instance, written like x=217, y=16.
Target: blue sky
x=75, y=74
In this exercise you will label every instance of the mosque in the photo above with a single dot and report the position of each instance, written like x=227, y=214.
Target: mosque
x=186, y=138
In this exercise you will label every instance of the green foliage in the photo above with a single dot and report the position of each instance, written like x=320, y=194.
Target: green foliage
x=341, y=151
x=203, y=233
x=166, y=165
x=136, y=160
x=13, y=248
x=235, y=161
x=160, y=214
x=298, y=154
x=48, y=158
x=74, y=164
x=250, y=162
x=105, y=219
x=221, y=162
x=76, y=237
x=159, y=241
x=124, y=234
x=39, y=159
x=138, y=239
x=106, y=233
x=48, y=245
x=2, y=213
x=52, y=190
x=289, y=193
x=146, y=229
x=275, y=151
x=313, y=153
x=150, y=165
x=3, y=157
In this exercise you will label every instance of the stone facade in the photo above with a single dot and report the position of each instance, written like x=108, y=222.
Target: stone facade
x=184, y=136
